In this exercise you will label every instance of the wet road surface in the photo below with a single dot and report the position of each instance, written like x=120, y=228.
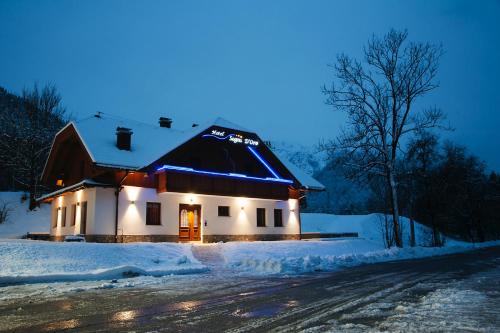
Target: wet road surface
x=455, y=293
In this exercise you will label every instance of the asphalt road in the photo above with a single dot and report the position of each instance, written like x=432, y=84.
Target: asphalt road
x=455, y=293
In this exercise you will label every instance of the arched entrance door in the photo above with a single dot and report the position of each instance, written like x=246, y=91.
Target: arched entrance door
x=189, y=222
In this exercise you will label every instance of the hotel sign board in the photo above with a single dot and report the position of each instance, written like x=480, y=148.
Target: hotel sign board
x=233, y=137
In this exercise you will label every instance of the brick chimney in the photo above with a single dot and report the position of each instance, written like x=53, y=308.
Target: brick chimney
x=165, y=122
x=123, y=138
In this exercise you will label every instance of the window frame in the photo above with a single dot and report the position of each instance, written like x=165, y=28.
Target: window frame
x=224, y=207
x=280, y=225
x=149, y=216
x=263, y=215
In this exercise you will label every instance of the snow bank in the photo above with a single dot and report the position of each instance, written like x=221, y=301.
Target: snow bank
x=297, y=257
x=35, y=261
x=367, y=226
x=21, y=220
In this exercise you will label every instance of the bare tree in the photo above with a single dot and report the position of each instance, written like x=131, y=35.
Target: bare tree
x=378, y=97
x=27, y=132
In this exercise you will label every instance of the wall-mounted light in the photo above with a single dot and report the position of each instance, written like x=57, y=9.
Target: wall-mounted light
x=292, y=210
x=132, y=202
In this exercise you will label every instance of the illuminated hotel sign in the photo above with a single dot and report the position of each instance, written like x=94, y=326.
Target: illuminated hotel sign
x=234, y=138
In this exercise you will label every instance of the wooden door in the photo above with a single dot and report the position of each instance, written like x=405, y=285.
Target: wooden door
x=189, y=222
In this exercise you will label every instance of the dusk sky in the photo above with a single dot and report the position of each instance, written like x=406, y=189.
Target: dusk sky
x=260, y=64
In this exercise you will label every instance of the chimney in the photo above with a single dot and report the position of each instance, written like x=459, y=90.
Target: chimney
x=165, y=122
x=123, y=138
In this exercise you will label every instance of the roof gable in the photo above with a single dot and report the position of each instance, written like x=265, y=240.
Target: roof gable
x=151, y=143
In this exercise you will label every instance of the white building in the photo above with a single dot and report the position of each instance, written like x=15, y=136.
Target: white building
x=118, y=180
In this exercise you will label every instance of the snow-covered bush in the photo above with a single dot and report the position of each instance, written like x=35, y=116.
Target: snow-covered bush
x=4, y=211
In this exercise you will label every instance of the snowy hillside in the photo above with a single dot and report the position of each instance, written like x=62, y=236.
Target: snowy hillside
x=341, y=195
x=20, y=219
x=307, y=158
x=369, y=227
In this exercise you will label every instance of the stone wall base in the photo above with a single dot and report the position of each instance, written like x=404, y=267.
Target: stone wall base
x=123, y=238
x=313, y=235
x=175, y=238
x=249, y=238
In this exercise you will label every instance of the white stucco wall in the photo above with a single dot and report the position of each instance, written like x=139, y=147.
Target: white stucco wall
x=67, y=200
x=132, y=213
x=240, y=222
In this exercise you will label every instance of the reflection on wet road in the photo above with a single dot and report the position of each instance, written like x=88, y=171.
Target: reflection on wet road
x=453, y=293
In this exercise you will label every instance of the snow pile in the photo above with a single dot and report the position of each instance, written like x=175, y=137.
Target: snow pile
x=21, y=220
x=369, y=227
x=297, y=257
x=34, y=261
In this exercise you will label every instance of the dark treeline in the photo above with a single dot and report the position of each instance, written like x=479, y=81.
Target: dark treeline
x=28, y=124
x=450, y=190
x=441, y=185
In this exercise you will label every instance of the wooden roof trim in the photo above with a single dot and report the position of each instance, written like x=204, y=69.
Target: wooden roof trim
x=50, y=159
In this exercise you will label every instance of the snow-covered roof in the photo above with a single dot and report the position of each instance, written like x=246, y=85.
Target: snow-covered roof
x=148, y=142
x=307, y=181
x=151, y=142
x=75, y=187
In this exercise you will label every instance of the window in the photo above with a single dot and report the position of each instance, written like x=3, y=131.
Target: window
x=83, y=217
x=278, y=217
x=184, y=219
x=55, y=218
x=63, y=216
x=223, y=210
x=153, y=213
x=261, y=217
x=73, y=214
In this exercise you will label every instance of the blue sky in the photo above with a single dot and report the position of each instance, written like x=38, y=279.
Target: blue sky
x=257, y=63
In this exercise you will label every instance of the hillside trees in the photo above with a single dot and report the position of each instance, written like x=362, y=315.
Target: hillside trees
x=27, y=127
x=378, y=97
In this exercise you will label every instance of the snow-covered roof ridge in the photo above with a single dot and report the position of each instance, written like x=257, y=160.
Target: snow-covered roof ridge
x=151, y=142
x=222, y=122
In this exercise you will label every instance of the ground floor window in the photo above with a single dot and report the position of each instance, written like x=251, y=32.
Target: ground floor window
x=56, y=217
x=223, y=211
x=153, y=213
x=278, y=217
x=83, y=217
x=73, y=214
x=63, y=216
x=261, y=217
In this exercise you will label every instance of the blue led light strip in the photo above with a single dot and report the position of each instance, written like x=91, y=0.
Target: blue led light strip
x=268, y=167
x=230, y=175
x=217, y=137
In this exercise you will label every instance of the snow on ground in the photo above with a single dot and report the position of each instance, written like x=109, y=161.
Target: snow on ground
x=24, y=261
x=292, y=257
x=297, y=257
x=367, y=226
x=21, y=220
